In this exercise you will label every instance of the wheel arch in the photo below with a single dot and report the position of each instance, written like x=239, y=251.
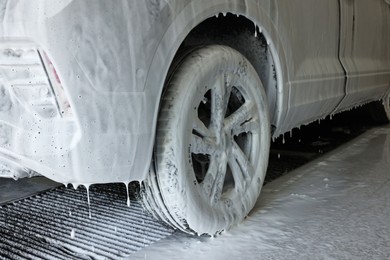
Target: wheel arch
x=181, y=28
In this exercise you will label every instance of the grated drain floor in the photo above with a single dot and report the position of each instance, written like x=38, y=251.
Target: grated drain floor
x=59, y=224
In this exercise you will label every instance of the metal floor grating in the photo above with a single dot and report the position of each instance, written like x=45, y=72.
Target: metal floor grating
x=58, y=224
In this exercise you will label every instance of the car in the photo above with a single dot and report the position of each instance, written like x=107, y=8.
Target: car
x=183, y=96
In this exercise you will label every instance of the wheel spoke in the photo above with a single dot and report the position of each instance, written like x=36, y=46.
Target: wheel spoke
x=201, y=145
x=231, y=80
x=241, y=116
x=238, y=177
x=252, y=126
x=219, y=103
x=242, y=168
x=200, y=127
x=214, y=180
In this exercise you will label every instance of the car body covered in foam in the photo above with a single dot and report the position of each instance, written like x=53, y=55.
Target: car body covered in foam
x=81, y=80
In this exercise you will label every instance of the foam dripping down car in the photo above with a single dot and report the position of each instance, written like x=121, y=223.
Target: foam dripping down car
x=182, y=96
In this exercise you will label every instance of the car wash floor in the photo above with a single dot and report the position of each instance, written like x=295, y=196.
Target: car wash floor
x=335, y=207
x=327, y=196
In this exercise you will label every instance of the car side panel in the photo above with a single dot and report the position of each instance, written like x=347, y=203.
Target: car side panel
x=310, y=31
x=365, y=50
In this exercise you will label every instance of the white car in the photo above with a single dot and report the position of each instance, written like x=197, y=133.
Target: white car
x=183, y=96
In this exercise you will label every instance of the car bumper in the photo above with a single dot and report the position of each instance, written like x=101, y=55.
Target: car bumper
x=35, y=131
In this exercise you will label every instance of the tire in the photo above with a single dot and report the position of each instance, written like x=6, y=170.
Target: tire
x=212, y=143
x=380, y=110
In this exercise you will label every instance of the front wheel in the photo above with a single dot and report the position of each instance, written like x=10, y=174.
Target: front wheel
x=212, y=143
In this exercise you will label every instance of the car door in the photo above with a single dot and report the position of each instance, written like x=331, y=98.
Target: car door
x=364, y=50
x=310, y=32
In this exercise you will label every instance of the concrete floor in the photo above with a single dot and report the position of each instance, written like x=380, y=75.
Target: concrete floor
x=335, y=207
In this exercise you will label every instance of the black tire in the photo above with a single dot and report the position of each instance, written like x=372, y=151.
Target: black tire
x=380, y=110
x=212, y=143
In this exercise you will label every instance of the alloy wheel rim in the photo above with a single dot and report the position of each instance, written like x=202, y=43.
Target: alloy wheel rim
x=224, y=139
